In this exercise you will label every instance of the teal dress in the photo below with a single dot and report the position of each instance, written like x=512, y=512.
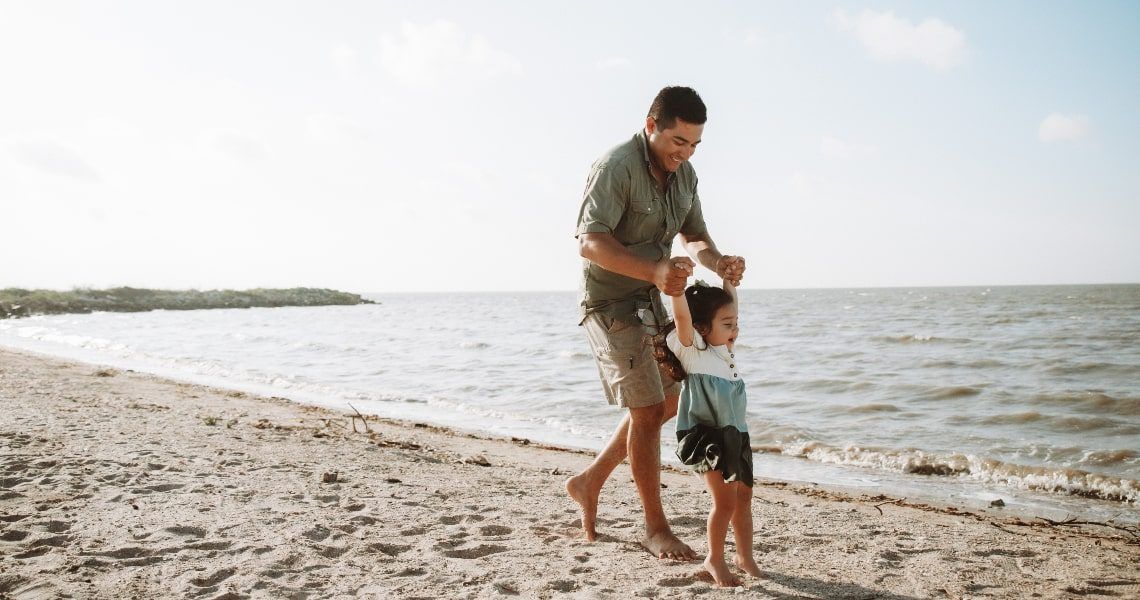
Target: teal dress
x=712, y=426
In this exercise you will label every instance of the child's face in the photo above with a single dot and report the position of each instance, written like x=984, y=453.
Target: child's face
x=724, y=327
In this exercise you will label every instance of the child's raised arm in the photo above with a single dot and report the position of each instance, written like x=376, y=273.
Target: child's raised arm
x=730, y=289
x=683, y=320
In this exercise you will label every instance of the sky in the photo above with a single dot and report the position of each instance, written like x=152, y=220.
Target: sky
x=444, y=146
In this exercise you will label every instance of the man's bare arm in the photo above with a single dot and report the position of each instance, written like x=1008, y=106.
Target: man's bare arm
x=605, y=251
x=702, y=248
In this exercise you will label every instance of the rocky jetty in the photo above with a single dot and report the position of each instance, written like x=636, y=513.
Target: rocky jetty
x=16, y=302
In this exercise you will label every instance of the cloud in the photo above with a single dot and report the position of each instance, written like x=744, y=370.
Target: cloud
x=233, y=144
x=802, y=184
x=893, y=39
x=836, y=148
x=1063, y=128
x=332, y=128
x=754, y=37
x=613, y=63
x=426, y=55
x=344, y=57
x=51, y=156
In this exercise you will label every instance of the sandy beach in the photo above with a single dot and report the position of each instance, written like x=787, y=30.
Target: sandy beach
x=118, y=484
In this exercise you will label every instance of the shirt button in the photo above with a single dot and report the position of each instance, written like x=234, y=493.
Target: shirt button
x=732, y=366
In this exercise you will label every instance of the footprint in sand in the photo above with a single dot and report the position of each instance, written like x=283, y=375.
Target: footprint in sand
x=389, y=549
x=495, y=530
x=478, y=552
x=13, y=535
x=676, y=582
x=318, y=534
x=57, y=526
x=457, y=519
x=562, y=585
x=186, y=530
x=215, y=578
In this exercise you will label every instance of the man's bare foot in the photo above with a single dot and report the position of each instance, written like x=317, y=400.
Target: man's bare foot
x=719, y=570
x=587, y=500
x=747, y=564
x=666, y=545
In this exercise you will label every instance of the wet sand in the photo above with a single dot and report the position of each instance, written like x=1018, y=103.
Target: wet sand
x=117, y=484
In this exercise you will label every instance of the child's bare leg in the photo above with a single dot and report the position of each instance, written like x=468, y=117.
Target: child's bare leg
x=723, y=506
x=742, y=529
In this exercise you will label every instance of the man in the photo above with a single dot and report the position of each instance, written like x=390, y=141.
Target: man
x=639, y=196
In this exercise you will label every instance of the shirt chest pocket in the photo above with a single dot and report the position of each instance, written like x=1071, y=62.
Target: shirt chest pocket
x=644, y=221
x=684, y=204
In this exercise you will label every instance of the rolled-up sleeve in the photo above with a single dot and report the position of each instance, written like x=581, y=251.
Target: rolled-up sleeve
x=604, y=202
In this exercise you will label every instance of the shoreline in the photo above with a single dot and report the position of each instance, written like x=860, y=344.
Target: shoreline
x=121, y=483
x=853, y=480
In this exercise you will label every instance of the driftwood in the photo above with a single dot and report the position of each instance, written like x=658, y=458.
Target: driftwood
x=895, y=501
x=362, y=419
x=1134, y=530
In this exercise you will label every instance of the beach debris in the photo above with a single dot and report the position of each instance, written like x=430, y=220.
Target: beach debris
x=106, y=373
x=362, y=419
x=998, y=503
x=392, y=480
x=403, y=445
x=330, y=477
x=1073, y=522
x=211, y=421
x=262, y=424
x=896, y=501
x=476, y=459
x=506, y=587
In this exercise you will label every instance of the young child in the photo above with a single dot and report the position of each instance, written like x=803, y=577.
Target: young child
x=712, y=432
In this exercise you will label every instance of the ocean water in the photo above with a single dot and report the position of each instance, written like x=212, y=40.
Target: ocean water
x=957, y=395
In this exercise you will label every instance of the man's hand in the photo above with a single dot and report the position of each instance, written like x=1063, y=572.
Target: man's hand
x=731, y=269
x=671, y=275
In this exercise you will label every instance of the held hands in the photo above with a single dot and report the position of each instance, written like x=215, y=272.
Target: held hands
x=730, y=269
x=671, y=275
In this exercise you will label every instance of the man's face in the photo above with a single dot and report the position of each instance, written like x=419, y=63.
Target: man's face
x=671, y=147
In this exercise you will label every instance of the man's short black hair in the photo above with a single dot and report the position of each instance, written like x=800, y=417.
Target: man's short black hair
x=677, y=102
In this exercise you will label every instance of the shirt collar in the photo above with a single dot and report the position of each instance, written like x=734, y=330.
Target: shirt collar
x=644, y=140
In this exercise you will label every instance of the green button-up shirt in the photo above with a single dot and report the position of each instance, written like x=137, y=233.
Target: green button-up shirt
x=622, y=199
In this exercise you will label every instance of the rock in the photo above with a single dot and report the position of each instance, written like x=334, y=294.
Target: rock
x=477, y=459
x=998, y=503
x=331, y=477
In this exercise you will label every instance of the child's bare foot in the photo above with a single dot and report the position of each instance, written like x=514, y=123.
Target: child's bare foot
x=747, y=564
x=719, y=570
x=577, y=488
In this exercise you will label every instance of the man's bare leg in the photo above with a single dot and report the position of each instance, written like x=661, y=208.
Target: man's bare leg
x=586, y=487
x=645, y=462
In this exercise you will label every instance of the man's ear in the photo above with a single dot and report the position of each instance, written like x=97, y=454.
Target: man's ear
x=650, y=125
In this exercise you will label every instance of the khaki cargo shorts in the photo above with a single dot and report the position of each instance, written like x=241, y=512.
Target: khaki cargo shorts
x=623, y=351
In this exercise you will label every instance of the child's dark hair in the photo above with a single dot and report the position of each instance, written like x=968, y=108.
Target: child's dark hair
x=703, y=301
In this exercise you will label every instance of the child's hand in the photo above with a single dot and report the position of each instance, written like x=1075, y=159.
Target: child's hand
x=731, y=269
